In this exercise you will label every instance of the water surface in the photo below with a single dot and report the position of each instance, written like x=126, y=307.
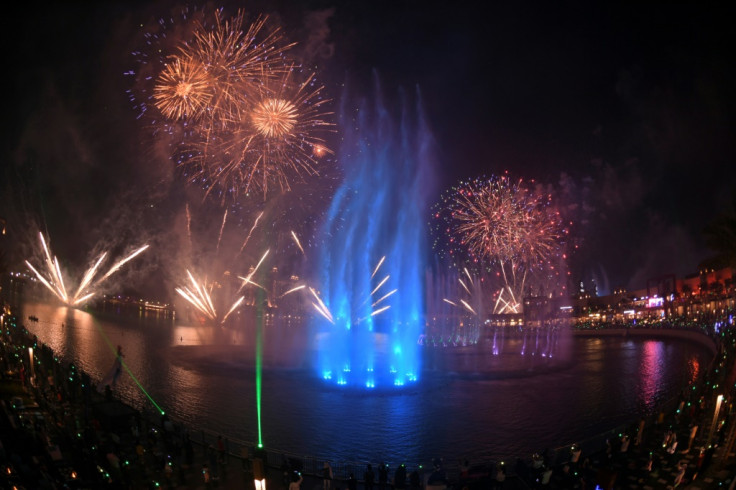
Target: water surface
x=468, y=402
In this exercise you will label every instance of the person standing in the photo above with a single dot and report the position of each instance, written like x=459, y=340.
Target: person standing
x=118, y=365
x=415, y=482
x=220, y=450
x=296, y=482
x=500, y=477
x=680, y=473
x=382, y=476
x=327, y=476
x=400, y=477
x=352, y=482
x=693, y=431
x=369, y=477
x=640, y=432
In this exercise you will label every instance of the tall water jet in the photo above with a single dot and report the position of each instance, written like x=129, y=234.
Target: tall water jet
x=371, y=272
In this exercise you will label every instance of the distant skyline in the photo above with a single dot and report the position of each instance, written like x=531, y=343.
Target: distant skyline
x=626, y=111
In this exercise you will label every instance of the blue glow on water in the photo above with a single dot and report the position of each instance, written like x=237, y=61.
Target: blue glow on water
x=379, y=211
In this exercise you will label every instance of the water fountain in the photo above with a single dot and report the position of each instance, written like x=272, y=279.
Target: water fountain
x=371, y=271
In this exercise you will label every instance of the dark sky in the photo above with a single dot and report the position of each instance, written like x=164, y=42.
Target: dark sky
x=626, y=109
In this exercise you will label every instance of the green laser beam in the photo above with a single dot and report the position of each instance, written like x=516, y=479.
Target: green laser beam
x=259, y=365
x=114, y=349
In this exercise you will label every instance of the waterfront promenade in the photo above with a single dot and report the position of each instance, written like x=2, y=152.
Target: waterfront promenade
x=57, y=431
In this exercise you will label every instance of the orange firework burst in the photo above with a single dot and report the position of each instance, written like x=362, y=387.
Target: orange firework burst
x=284, y=134
x=183, y=90
x=249, y=119
x=275, y=139
x=274, y=118
x=237, y=59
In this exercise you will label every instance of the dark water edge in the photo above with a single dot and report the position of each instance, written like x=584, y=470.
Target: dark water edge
x=468, y=403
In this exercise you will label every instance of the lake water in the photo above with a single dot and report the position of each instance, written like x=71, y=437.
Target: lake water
x=468, y=402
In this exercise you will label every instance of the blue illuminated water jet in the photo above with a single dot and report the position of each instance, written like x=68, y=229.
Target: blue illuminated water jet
x=371, y=272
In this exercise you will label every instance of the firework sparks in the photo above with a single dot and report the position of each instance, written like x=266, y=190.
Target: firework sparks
x=54, y=280
x=384, y=297
x=470, y=297
x=466, y=305
x=199, y=294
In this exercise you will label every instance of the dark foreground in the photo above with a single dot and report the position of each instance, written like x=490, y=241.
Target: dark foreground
x=58, y=431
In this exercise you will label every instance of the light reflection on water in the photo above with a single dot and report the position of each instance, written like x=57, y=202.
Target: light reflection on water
x=469, y=403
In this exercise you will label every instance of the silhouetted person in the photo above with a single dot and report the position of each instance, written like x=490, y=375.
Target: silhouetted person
x=352, y=482
x=369, y=476
x=400, y=477
x=414, y=480
x=382, y=476
x=327, y=476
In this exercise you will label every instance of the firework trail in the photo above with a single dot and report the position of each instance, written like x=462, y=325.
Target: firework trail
x=298, y=288
x=247, y=279
x=189, y=226
x=222, y=228
x=320, y=307
x=378, y=266
x=467, y=289
x=117, y=266
x=296, y=240
x=54, y=281
x=255, y=223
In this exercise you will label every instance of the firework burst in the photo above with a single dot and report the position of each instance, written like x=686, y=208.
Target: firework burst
x=500, y=227
x=183, y=90
x=275, y=138
x=241, y=116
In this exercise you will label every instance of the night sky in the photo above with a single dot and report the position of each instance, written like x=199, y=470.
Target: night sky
x=626, y=110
